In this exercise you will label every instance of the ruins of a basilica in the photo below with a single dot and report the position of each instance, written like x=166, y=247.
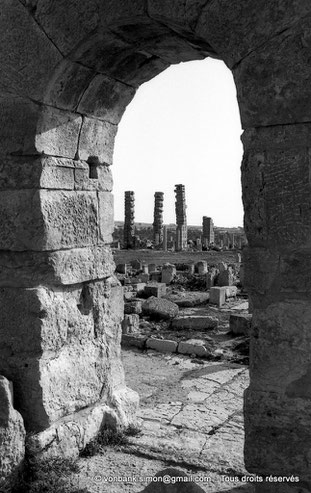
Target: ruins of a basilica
x=68, y=71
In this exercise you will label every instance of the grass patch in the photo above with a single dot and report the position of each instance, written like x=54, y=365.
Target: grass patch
x=108, y=437
x=47, y=476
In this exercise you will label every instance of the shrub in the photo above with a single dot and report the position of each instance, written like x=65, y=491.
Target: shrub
x=109, y=437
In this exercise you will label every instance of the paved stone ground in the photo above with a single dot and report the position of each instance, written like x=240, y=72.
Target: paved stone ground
x=191, y=418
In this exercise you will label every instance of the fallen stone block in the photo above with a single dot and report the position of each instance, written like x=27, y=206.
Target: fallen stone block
x=193, y=346
x=129, y=295
x=139, y=287
x=133, y=307
x=152, y=268
x=194, y=322
x=225, y=278
x=156, y=289
x=188, y=299
x=217, y=295
x=142, y=278
x=130, y=324
x=240, y=324
x=136, y=264
x=222, y=266
x=12, y=435
x=162, y=345
x=168, y=273
x=211, y=277
x=135, y=340
x=202, y=267
x=231, y=291
x=160, y=308
x=145, y=269
x=155, y=276
x=191, y=269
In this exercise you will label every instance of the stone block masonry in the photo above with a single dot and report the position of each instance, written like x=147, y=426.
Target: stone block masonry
x=158, y=218
x=208, y=231
x=129, y=224
x=181, y=218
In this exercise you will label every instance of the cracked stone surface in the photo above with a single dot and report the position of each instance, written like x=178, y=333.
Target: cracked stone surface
x=191, y=418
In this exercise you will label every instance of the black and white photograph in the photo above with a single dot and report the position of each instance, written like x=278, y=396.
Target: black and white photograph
x=155, y=246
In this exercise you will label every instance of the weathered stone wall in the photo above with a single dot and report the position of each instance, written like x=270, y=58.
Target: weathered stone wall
x=68, y=71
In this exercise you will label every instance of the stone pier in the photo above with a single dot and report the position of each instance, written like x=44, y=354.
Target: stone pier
x=181, y=218
x=208, y=231
x=129, y=219
x=158, y=218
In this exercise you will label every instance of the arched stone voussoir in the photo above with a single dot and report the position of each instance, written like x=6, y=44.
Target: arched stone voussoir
x=106, y=99
x=181, y=15
x=273, y=82
x=107, y=53
x=235, y=28
x=68, y=22
x=163, y=41
x=66, y=87
x=28, y=58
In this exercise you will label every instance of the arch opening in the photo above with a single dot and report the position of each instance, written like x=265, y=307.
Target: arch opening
x=182, y=127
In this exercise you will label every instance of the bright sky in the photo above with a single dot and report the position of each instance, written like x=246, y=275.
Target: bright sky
x=183, y=126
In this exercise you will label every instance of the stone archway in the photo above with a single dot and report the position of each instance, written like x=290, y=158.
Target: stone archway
x=68, y=71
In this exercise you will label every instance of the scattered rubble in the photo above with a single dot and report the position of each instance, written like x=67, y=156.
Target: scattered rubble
x=186, y=299
x=170, y=317
x=194, y=322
